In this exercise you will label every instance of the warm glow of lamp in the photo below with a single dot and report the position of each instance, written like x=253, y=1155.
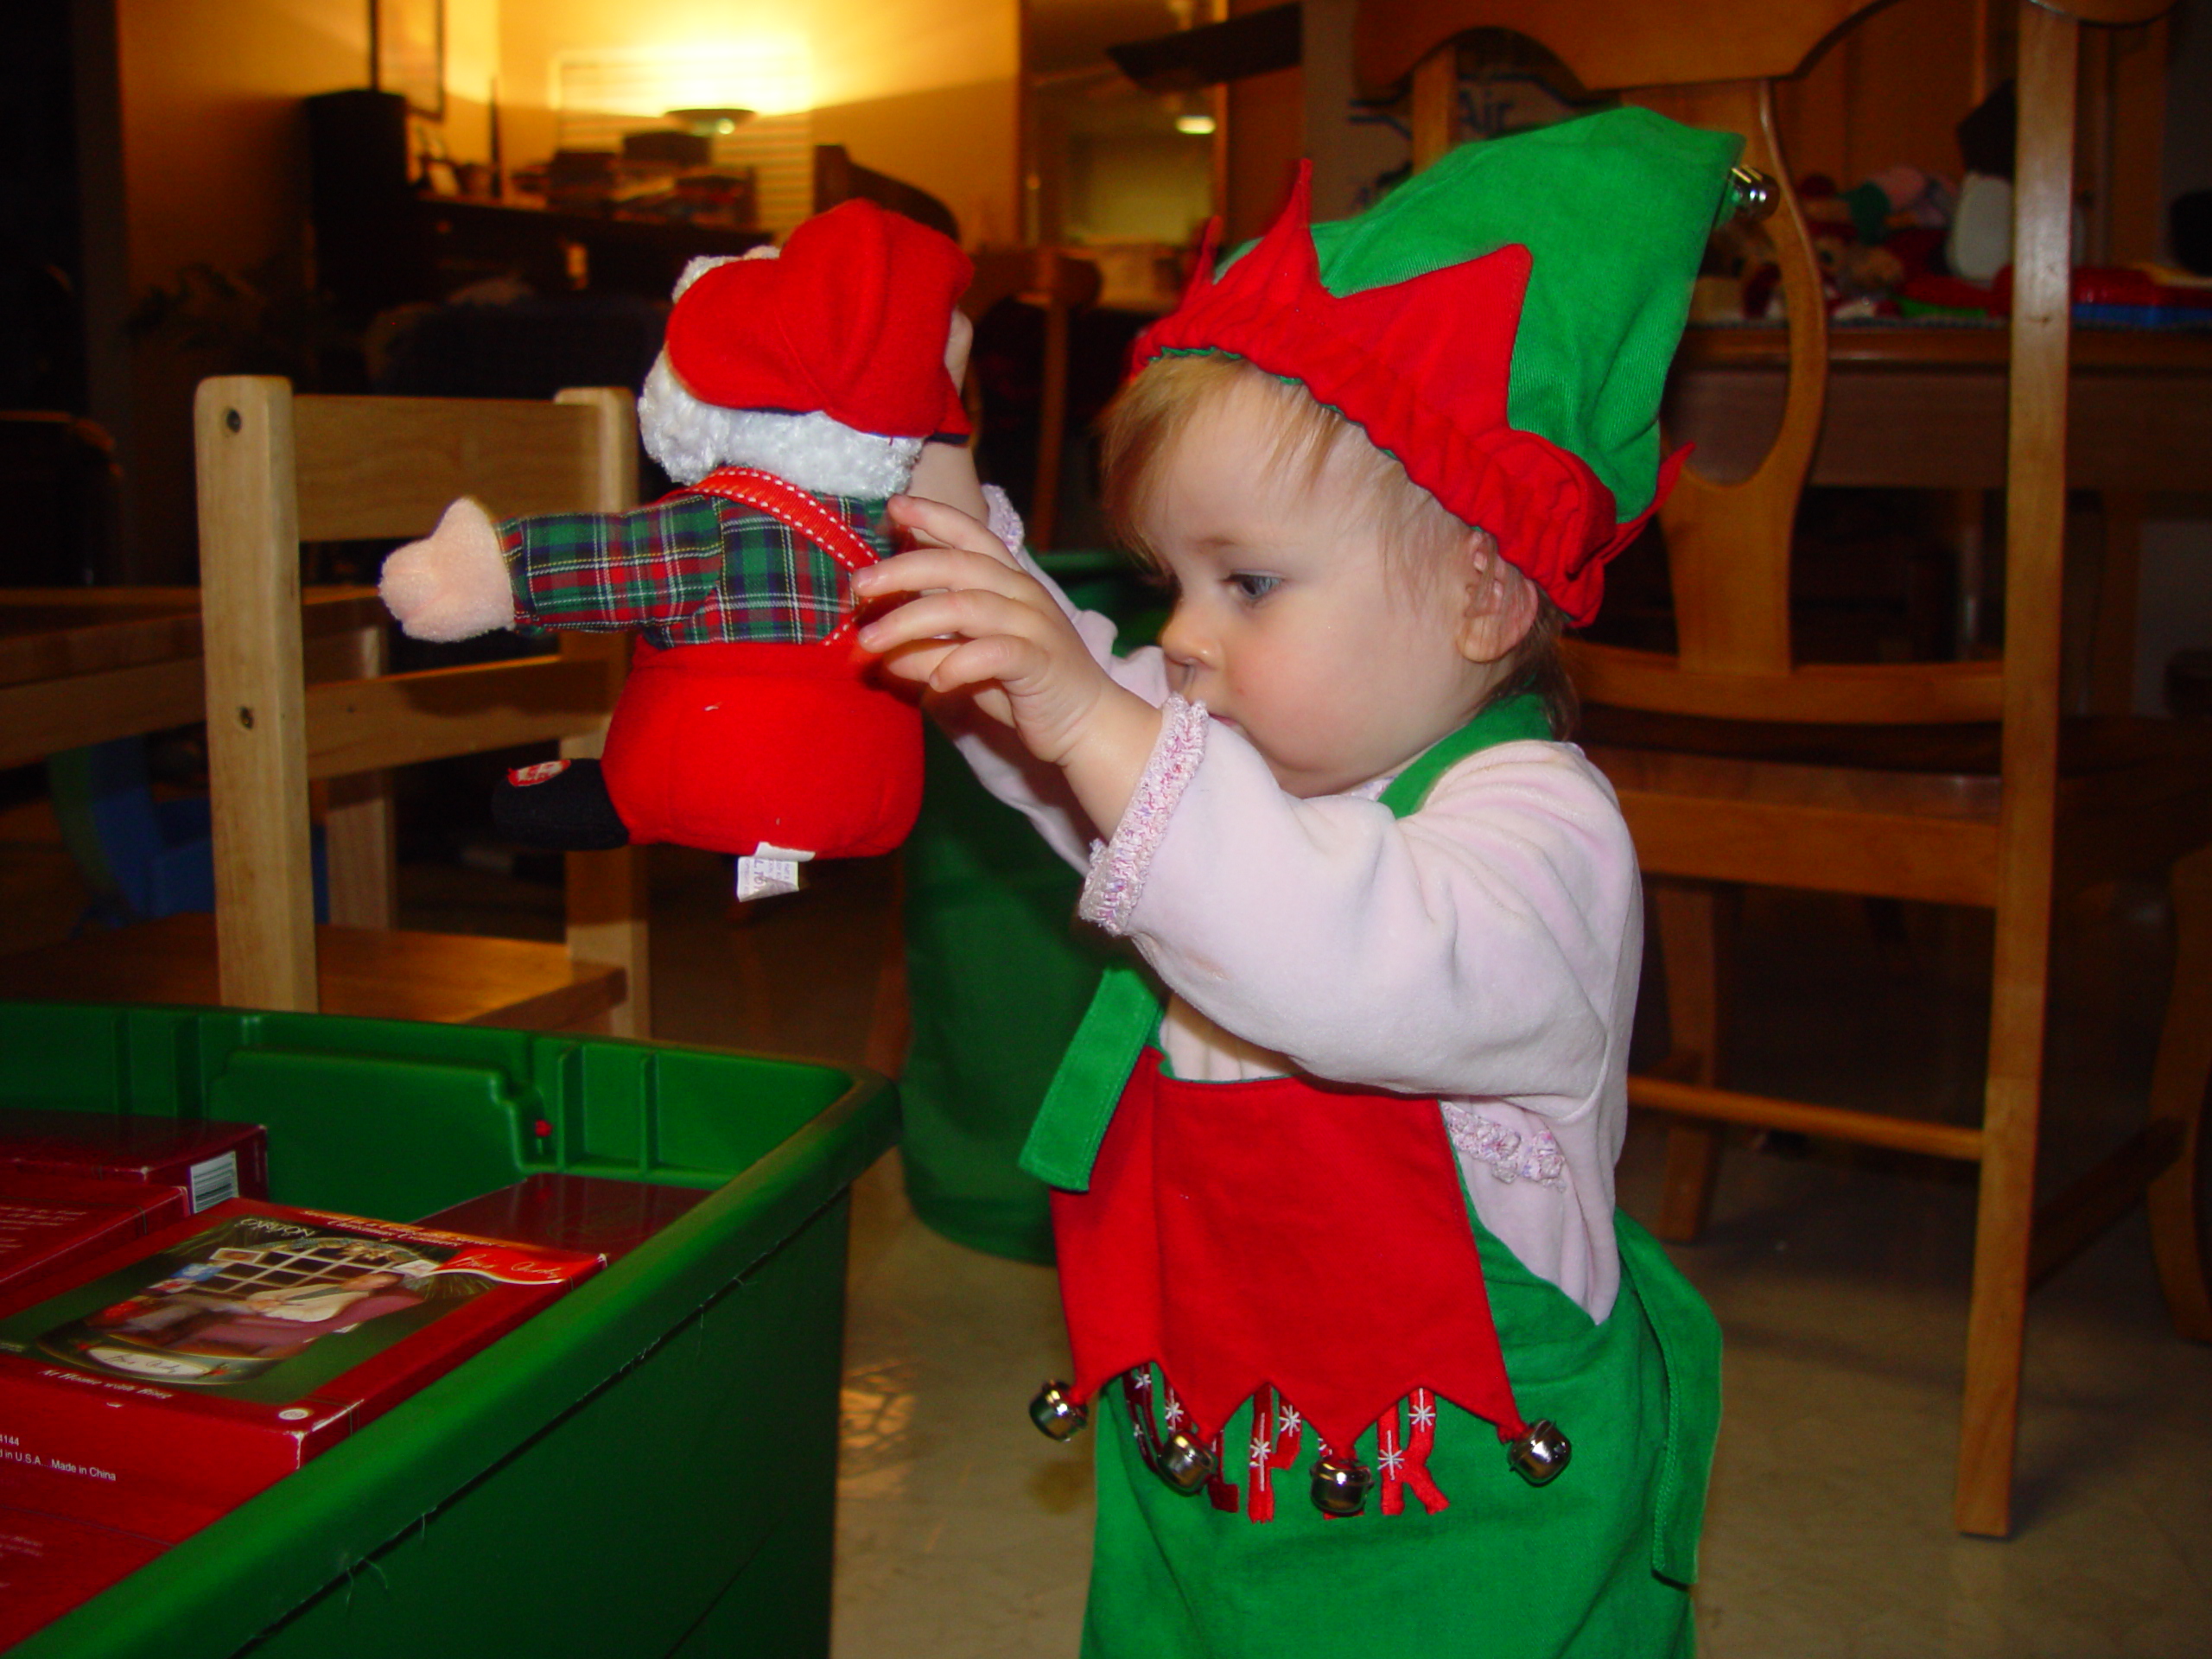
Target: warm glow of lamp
x=1197, y=125
x=710, y=124
x=726, y=79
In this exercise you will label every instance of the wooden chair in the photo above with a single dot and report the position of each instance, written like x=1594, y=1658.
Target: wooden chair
x=1059, y=283
x=1943, y=782
x=275, y=469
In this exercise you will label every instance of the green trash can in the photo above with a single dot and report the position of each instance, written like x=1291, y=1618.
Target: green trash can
x=998, y=972
x=647, y=1467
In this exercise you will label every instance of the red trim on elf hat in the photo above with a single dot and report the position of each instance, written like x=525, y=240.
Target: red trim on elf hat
x=850, y=320
x=1423, y=366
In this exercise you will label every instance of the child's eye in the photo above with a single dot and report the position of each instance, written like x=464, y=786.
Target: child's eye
x=1251, y=585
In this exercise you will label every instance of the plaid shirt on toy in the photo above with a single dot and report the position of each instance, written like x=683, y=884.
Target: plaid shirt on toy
x=690, y=570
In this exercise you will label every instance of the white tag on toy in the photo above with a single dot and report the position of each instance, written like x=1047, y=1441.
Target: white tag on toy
x=768, y=870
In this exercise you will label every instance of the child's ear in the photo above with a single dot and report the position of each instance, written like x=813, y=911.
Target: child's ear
x=1501, y=604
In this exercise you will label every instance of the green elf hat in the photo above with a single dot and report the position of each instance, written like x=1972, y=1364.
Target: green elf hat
x=1502, y=324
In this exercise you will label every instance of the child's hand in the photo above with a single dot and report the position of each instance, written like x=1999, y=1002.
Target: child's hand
x=980, y=625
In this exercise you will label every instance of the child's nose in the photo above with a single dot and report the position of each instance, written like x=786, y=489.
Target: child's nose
x=1184, y=641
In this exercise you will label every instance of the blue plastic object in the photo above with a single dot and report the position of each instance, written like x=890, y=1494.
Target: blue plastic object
x=144, y=859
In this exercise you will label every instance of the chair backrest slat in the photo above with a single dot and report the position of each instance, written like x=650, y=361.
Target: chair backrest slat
x=387, y=466
x=1728, y=544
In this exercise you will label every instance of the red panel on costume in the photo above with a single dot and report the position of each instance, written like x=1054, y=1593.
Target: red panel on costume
x=1279, y=1232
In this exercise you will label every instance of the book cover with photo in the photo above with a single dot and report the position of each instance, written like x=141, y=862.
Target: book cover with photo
x=162, y=1383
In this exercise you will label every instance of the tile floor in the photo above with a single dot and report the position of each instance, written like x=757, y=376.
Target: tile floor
x=1839, y=1279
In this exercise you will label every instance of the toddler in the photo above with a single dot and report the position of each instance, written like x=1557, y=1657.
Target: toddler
x=1333, y=1174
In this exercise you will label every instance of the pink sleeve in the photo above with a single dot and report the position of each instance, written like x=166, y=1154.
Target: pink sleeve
x=1472, y=948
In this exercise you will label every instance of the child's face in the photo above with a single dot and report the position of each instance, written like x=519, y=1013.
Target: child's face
x=1288, y=623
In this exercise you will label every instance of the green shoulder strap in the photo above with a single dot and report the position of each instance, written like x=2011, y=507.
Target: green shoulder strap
x=1125, y=1011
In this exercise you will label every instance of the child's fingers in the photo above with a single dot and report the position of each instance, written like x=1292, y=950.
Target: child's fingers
x=930, y=569
x=920, y=571
x=916, y=660
x=922, y=663
x=971, y=613
x=934, y=524
x=992, y=659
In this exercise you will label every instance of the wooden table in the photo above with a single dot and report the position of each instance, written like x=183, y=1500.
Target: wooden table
x=1924, y=407
x=81, y=665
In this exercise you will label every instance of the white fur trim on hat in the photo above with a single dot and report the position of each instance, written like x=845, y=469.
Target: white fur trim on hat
x=690, y=437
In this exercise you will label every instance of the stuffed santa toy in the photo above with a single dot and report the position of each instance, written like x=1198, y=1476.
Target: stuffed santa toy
x=792, y=399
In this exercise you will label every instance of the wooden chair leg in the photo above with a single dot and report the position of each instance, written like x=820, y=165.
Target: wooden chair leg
x=2180, y=1088
x=1696, y=923
x=608, y=899
x=362, y=851
x=2004, y=1219
x=891, y=1020
x=1996, y=1330
x=609, y=894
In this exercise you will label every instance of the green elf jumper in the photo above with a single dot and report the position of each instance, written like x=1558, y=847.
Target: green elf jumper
x=1502, y=325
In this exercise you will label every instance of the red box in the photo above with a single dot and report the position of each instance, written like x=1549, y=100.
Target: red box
x=210, y=1161
x=49, y=1563
x=159, y=1386
x=47, y=1222
x=572, y=1212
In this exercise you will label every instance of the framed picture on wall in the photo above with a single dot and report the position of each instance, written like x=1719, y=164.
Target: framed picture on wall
x=408, y=52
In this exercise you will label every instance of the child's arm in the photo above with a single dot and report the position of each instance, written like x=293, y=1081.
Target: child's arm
x=981, y=627
x=946, y=472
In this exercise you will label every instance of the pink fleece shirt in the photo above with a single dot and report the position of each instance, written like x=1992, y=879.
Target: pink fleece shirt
x=1483, y=950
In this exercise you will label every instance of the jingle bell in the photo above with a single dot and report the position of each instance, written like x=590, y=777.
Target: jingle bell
x=1341, y=1486
x=1539, y=1455
x=1184, y=1463
x=1751, y=193
x=1056, y=1417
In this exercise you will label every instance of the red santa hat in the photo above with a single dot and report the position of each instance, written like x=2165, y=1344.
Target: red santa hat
x=849, y=322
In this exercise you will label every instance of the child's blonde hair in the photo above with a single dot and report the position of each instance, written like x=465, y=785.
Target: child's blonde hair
x=1140, y=428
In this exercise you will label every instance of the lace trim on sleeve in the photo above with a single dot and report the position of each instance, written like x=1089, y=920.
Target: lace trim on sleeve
x=1510, y=1156
x=1118, y=867
x=1002, y=520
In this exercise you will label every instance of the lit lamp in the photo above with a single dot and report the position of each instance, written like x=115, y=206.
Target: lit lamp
x=709, y=123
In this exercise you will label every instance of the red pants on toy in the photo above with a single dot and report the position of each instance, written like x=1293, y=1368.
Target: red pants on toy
x=732, y=747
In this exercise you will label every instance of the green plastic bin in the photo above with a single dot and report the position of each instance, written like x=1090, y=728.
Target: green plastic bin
x=647, y=1467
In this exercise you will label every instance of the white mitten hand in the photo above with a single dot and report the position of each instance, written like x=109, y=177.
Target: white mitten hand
x=453, y=583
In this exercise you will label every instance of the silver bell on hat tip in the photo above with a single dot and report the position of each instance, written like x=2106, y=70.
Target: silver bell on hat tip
x=1341, y=1486
x=1056, y=1417
x=1184, y=1463
x=1539, y=1455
